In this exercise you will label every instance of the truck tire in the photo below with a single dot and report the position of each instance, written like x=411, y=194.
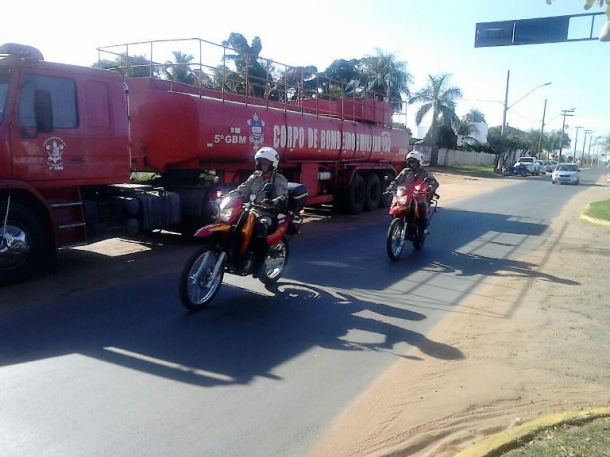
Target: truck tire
x=24, y=225
x=373, y=192
x=355, y=195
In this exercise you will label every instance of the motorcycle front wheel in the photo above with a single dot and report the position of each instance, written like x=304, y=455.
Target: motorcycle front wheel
x=275, y=262
x=197, y=287
x=395, y=238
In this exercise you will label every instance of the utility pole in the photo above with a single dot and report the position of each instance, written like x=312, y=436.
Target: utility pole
x=565, y=112
x=505, y=104
x=589, y=151
x=576, y=141
x=582, y=156
x=541, y=130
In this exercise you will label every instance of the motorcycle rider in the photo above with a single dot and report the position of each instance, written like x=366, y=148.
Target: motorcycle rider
x=412, y=175
x=267, y=160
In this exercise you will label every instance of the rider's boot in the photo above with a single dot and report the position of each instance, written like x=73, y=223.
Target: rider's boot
x=261, y=249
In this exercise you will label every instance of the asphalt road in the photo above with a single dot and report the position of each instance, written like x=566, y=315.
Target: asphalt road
x=100, y=358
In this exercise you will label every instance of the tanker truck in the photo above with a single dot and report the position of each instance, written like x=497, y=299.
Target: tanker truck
x=88, y=154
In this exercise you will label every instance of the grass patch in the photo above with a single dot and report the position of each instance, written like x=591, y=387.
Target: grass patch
x=599, y=210
x=479, y=171
x=590, y=439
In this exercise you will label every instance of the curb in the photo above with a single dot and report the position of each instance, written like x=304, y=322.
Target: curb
x=594, y=220
x=510, y=439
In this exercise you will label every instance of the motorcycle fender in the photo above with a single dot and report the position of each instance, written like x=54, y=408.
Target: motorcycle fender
x=397, y=210
x=208, y=230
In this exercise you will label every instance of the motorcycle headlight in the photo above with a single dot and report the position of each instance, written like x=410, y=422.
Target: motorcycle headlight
x=401, y=191
x=402, y=200
x=226, y=210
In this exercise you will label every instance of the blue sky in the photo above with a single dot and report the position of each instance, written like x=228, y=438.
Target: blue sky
x=432, y=36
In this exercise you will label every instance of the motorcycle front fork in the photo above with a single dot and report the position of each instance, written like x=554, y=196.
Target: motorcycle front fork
x=215, y=271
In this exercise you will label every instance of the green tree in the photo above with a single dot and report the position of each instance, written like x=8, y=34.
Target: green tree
x=340, y=78
x=254, y=74
x=438, y=99
x=384, y=77
x=132, y=66
x=179, y=70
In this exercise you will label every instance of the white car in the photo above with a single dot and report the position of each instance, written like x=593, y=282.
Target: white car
x=550, y=165
x=541, y=167
x=566, y=173
x=531, y=164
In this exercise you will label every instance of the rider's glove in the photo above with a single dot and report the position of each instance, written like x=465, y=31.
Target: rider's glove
x=267, y=202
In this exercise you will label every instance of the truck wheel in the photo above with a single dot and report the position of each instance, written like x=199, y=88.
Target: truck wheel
x=373, y=192
x=355, y=195
x=22, y=249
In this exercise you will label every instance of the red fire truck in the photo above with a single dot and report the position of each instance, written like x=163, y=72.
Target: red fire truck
x=88, y=154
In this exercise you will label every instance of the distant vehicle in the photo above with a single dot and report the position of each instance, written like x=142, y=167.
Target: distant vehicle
x=566, y=173
x=550, y=165
x=541, y=167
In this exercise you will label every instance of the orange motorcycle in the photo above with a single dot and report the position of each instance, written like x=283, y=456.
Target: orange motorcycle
x=228, y=245
x=408, y=223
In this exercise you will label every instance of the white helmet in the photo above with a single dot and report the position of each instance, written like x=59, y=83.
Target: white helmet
x=415, y=155
x=268, y=153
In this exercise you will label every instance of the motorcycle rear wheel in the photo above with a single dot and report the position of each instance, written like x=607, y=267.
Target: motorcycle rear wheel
x=196, y=289
x=275, y=262
x=395, y=238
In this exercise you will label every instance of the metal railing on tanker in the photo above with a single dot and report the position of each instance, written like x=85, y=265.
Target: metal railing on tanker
x=242, y=77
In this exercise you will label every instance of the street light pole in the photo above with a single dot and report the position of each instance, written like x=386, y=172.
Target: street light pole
x=507, y=107
x=541, y=130
x=576, y=141
x=565, y=112
x=505, y=104
x=582, y=156
x=589, y=151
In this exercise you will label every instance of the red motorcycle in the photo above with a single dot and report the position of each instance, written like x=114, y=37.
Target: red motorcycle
x=407, y=223
x=228, y=246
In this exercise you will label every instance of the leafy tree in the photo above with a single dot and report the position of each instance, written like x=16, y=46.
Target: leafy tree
x=254, y=76
x=439, y=99
x=474, y=115
x=385, y=78
x=179, y=70
x=340, y=78
x=132, y=66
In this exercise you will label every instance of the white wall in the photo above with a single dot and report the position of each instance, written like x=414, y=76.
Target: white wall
x=452, y=157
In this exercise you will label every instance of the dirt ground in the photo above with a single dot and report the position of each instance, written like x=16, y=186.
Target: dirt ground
x=535, y=342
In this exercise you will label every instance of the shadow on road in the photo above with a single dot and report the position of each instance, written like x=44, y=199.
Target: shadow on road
x=340, y=292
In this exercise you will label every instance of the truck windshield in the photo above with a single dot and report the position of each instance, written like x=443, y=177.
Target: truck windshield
x=4, y=76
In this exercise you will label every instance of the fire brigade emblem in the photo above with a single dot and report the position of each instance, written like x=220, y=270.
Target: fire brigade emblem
x=55, y=150
x=257, y=137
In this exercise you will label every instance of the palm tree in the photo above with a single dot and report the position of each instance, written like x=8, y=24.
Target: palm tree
x=180, y=70
x=384, y=76
x=439, y=99
x=249, y=66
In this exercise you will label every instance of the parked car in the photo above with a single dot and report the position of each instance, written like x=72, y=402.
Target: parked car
x=531, y=164
x=541, y=167
x=567, y=173
x=550, y=165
